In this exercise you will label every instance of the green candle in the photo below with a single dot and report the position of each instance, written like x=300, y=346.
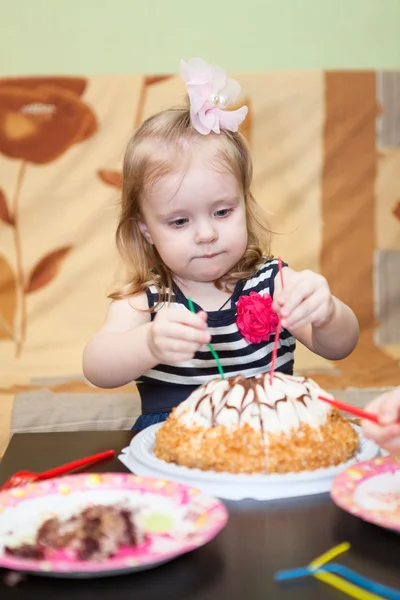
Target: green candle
x=215, y=355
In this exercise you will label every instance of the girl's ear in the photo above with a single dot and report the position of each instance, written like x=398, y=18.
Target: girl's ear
x=145, y=232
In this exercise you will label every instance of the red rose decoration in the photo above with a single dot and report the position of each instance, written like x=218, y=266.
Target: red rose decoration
x=255, y=318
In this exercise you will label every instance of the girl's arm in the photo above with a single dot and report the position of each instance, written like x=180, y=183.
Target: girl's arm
x=119, y=353
x=129, y=343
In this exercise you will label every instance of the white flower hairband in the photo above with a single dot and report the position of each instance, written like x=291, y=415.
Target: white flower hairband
x=210, y=93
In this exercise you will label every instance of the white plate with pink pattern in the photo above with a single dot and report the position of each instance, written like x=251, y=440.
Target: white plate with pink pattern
x=371, y=491
x=174, y=519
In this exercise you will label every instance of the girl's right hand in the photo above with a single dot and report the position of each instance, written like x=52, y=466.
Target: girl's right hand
x=176, y=334
x=387, y=433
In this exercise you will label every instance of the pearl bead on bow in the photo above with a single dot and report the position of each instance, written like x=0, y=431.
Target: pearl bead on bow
x=219, y=100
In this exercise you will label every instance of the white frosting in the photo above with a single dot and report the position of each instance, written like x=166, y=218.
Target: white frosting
x=280, y=405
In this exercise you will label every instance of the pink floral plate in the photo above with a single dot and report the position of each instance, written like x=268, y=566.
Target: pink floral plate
x=175, y=519
x=371, y=490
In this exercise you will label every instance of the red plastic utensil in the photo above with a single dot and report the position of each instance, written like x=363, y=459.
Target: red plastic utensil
x=278, y=329
x=352, y=410
x=22, y=477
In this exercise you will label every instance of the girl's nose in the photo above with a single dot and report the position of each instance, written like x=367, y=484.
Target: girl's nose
x=206, y=233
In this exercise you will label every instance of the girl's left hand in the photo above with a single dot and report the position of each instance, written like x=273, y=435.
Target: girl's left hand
x=305, y=299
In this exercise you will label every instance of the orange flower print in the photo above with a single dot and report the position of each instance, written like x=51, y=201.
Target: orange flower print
x=40, y=119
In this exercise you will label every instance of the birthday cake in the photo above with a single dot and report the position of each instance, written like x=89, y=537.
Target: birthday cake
x=266, y=424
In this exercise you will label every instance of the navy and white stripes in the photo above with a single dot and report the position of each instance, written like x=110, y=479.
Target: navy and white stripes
x=237, y=355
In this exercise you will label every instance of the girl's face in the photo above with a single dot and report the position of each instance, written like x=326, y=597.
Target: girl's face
x=197, y=220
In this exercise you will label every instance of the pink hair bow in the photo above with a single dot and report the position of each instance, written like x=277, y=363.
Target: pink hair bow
x=210, y=93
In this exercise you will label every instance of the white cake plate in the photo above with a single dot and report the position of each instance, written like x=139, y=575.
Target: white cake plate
x=139, y=459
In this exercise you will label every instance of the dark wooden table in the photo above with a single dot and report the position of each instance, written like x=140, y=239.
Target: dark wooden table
x=260, y=539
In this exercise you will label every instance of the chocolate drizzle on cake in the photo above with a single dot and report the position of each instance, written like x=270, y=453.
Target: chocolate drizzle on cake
x=224, y=401
x=251, y=395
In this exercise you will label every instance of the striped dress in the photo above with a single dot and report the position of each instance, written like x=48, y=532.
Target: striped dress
x=165, y=386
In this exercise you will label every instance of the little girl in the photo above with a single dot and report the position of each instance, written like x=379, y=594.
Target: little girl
x=190, y=228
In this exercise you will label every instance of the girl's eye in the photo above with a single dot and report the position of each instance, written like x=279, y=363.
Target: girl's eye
x=224, y=212
x=178, y=223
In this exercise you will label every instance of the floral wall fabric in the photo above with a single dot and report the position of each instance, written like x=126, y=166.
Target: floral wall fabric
x=326, y=150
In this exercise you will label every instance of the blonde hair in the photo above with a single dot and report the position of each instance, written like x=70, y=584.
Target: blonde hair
x=152, y=152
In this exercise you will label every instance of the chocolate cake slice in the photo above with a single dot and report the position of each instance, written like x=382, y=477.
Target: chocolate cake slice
x=97, y=532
